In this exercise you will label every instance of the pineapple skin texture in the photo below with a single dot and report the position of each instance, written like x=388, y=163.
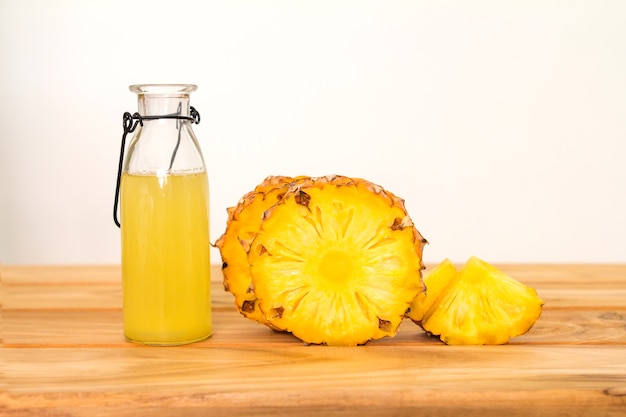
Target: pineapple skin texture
x=244, y=222
x=333, y=260
x=477, y=305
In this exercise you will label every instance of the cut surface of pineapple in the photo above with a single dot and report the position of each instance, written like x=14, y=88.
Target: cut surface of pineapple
x=336, y=261
x=478, y=305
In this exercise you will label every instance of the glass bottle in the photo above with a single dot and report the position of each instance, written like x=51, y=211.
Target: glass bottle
x=164, y=217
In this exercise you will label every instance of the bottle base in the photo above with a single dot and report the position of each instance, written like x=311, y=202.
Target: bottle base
x=167, y=342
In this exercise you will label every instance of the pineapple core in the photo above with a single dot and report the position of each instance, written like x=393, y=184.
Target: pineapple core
x=336, y=268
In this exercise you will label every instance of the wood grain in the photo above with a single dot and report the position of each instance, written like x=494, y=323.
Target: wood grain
x=64, y=355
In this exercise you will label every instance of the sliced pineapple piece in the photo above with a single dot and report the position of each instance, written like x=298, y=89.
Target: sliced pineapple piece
x=244, y=221
x=337, y=261
x=480, y=305
x=436, y=283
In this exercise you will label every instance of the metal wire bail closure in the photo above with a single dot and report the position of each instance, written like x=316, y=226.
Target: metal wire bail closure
x=130, y=123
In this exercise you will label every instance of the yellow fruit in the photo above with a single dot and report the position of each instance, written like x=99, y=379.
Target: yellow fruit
x=244, y=221
x=436, y=282
x=477, y=305
x=335, y=261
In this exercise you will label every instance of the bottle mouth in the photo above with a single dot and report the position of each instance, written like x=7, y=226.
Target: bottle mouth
x=163, y=89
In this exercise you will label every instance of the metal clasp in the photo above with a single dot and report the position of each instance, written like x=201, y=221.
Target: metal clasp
x=130, y=123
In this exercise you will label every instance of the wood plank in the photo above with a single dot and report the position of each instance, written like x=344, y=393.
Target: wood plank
x=108, y=295
x=597, y=280
x=305, y=377
x=559, y=403
x=550, y=275
x=256, y=369
x=93, y=296
x=571, y=275
x=47, y=274
x=25, y=328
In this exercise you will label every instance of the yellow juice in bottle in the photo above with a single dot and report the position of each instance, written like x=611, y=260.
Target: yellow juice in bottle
x=165, y=258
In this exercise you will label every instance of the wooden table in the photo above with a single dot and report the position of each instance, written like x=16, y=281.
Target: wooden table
x=64, y=355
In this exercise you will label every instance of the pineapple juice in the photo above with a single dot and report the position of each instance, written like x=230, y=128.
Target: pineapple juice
x=165, y=258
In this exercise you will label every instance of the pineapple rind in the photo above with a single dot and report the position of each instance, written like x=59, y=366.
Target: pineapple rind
x=244, y=221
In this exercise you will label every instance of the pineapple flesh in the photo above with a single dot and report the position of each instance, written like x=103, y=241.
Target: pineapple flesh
x=477, y=305
x=436, y=282
x=333, y=260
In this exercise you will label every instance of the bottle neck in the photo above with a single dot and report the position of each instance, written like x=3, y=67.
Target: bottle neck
x=163, y=99
x=159, y=105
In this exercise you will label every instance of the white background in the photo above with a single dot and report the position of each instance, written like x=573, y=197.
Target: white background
x=501, y=123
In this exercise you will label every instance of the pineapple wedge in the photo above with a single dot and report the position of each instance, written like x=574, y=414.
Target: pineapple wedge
x=478, y=305
x=436, y=282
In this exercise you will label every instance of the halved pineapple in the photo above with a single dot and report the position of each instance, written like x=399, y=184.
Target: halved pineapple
x=336, y=261
x=244, y=221
x=477, y=305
